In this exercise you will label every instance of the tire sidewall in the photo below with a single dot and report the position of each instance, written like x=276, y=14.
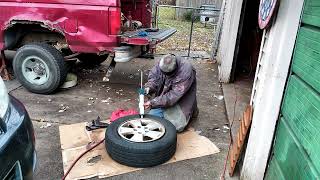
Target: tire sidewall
x=54, y=70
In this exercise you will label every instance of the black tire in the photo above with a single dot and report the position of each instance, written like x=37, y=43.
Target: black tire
x=52, y=58
x=92, y=59
x=144, y=154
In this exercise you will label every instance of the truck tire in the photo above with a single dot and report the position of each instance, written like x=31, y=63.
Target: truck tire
x=92, y=59
x=149, y=143
x=39, y=67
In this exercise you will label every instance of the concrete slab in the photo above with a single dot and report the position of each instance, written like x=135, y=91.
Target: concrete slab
x=122, y=89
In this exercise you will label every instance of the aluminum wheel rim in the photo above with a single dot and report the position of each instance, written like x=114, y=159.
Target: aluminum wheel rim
x=141, y=130
x=35, y=70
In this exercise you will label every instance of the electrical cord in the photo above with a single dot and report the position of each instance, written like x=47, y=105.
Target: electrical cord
x=79, y=157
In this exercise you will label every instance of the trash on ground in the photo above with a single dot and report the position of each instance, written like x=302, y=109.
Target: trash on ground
x=217, y=129
x=89, y=111
x=108, y=101
x=219, y=97
x=45, y=125
x=225, y=127
x=131, y=76
x=105, y=79
x=71, y=81
x=63, y=108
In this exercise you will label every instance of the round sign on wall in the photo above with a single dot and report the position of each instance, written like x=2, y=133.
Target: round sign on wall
x=266, y=11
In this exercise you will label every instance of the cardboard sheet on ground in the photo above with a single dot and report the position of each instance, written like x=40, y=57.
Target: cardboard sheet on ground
x=74, y=139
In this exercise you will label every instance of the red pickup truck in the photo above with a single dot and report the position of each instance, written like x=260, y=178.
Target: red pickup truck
x=48, y=33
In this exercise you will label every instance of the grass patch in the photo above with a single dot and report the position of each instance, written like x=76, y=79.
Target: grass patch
x=202, y=37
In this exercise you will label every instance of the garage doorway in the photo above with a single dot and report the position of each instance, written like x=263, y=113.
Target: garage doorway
x=246, y=54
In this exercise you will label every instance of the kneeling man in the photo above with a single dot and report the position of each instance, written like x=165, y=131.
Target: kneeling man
x=173, y=81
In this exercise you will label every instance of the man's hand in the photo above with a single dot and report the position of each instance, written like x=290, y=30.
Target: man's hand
x=147, y=105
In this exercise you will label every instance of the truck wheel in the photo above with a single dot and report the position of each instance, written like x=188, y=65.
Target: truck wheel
x=141, y=142
x=39, y=67
x=92, y=59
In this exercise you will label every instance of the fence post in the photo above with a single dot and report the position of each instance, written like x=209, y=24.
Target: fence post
x=191, y=30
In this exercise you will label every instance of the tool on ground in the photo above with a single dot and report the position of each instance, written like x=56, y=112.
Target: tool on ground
x=141, y=96
x=96, y=124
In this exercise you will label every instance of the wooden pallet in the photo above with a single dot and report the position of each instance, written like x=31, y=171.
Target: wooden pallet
x=237, y=144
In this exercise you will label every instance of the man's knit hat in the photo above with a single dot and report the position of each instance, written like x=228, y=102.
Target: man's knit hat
x=168, y=63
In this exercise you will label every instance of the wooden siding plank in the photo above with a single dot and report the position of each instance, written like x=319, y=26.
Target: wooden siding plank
x=311, y=33
x=308, y=71
x=306, y=59
x=312, y=3
x=310, y=19
x=293, y=163
x=274, y=171
x=311, y=12
x=301, y=107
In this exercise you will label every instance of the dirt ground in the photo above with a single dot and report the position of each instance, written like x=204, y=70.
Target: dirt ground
x=85, y=102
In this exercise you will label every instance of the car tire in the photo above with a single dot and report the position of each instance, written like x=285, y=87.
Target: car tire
x=141, y=154
x=39, y=67
x=92, y=59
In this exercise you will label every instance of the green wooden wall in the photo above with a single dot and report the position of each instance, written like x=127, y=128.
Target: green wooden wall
x=296, y=150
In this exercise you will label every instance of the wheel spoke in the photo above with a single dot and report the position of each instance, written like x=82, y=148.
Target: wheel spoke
x=153, y=134
x=30, y=64
x=31, y=75
x=137, y=137
x=136, y=123
x=126, y=130
x=152, y=126
x=42, y=79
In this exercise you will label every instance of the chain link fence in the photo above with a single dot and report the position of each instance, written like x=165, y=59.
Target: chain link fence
x=196, y=28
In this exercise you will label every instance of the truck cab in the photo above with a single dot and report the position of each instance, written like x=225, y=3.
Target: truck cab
x=46, y=34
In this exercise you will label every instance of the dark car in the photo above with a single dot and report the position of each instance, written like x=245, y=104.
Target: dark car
x=17, y=140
